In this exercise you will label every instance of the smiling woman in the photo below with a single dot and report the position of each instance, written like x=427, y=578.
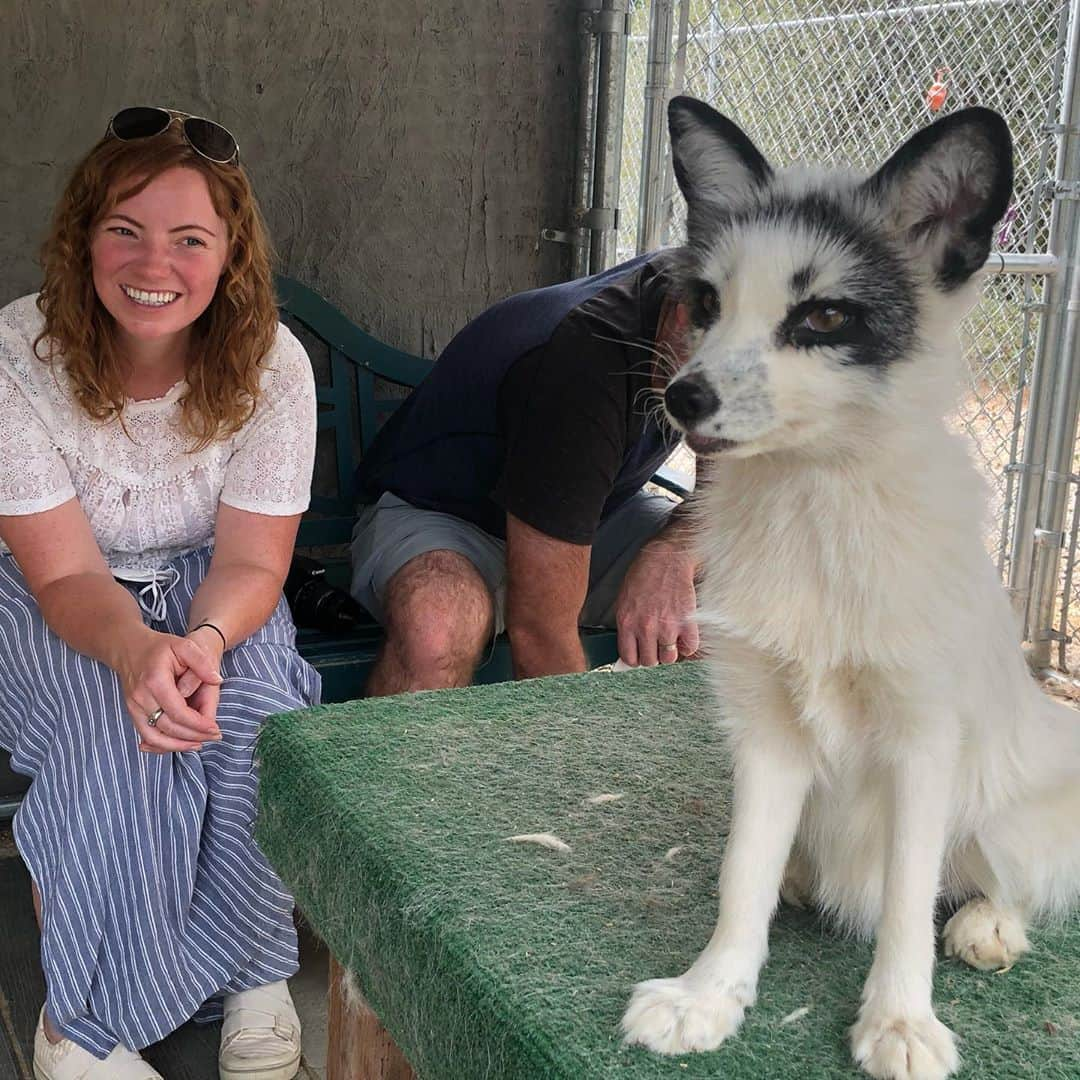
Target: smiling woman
x=158, y=218
x=157, y=257
x=157, y=432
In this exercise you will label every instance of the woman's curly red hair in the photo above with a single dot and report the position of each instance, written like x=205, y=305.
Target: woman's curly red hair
x=233, y=335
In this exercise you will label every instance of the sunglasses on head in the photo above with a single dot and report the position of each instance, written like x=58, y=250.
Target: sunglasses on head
x=206, y=138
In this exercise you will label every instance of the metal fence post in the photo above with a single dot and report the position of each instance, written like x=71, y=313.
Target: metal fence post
x=678, y=84
x=612, y=24
x=586, y=133
x=653, y=157
x=1062, y=337
x=603, y=28
x=1032, y=466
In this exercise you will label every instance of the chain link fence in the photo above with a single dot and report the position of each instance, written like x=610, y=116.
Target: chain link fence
x=843, y=82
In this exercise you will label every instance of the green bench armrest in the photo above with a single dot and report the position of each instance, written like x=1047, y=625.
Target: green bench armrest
x=363, y=382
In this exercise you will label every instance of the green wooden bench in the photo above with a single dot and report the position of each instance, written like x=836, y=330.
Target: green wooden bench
x=359, y=383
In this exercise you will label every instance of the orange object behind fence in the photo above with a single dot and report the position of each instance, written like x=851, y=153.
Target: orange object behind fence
x=939, y=90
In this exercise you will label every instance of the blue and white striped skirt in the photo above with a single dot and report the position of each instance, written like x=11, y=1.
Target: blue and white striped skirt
x=155, y=898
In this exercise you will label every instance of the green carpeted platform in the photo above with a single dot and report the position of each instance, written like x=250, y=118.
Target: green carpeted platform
x=484, y=958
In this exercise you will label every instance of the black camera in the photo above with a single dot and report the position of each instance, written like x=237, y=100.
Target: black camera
x=315, y=603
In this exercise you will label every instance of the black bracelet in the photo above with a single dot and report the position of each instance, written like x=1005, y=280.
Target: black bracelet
x=216, y=630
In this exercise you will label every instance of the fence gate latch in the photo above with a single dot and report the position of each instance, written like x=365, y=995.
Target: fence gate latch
x=557, y=236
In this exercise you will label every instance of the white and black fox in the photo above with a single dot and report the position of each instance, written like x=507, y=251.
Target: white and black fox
x=889, y=744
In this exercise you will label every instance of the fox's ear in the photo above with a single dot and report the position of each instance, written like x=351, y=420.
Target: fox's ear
x=946, y=187
x=717, y=167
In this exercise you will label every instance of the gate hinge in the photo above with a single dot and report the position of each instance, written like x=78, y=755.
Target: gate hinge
x=597, y=21
x=596, y=219
x=1024, y=467
x=599, y=218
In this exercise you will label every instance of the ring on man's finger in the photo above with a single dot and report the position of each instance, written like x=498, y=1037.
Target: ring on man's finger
x=155, y=716
x=669, y=646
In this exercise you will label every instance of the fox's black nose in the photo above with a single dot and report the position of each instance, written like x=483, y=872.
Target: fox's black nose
x=690, y=399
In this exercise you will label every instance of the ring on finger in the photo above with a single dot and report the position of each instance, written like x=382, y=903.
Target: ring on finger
x=669, y=646
x=155, y=716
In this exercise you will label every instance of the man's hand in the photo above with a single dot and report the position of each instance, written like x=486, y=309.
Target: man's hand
x=655, y=609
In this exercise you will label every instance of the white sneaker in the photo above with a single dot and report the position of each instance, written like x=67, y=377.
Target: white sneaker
x=260, y=1037
x=67, y=1060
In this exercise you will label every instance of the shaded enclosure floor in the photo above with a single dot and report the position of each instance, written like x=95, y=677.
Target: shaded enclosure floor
x=188, y=1054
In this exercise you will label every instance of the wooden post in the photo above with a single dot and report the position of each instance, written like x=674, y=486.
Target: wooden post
x=360, y=1048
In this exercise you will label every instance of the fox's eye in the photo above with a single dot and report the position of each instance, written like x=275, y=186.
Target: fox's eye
x=825, y=320
x=706, y=306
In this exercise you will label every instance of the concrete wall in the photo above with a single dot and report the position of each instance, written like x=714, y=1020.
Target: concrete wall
x=407, y=154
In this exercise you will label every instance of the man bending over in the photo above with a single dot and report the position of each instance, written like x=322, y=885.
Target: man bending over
x=506, y=492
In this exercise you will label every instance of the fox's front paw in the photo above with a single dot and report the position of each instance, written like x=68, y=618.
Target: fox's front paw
x=903, y=1048
x=676, y=1016
x=985, y=936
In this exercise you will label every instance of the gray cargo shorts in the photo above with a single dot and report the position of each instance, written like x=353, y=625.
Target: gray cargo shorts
x=390, y=532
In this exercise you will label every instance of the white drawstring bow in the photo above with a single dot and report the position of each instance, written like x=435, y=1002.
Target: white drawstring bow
x=156, y=586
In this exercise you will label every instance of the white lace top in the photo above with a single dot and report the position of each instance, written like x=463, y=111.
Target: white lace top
x=146, y=497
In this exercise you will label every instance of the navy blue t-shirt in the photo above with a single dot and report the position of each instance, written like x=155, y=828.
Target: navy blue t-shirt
x=540, y=407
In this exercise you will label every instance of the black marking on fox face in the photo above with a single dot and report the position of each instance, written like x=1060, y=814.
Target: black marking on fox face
x=800, y=280
x=798, y=327
x=876, y=292
x=711, y=221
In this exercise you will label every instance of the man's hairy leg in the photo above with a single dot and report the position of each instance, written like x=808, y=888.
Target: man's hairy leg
x=439, y=616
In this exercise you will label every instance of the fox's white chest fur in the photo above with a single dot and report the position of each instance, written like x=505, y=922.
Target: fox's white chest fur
x=845, y=564
x=859, y=583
